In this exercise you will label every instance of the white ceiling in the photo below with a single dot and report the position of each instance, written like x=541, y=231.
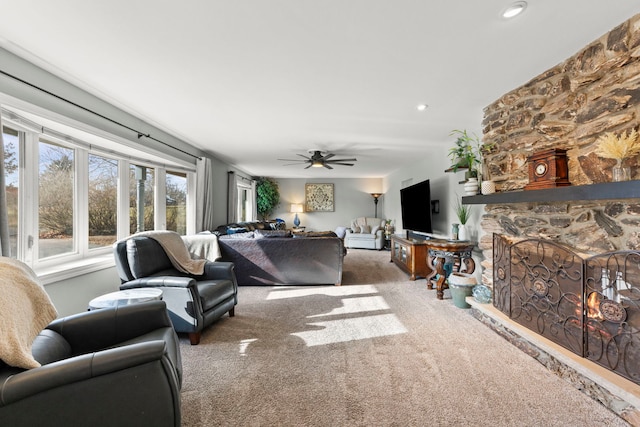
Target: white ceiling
x=251, y=81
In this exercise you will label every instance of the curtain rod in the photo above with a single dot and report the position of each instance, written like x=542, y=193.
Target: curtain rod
x=140, y=134
x=240, y=176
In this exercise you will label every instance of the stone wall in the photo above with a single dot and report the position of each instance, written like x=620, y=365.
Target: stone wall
x=569, y=106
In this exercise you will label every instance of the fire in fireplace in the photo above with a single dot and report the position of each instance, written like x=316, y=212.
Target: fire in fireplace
x=590, y=306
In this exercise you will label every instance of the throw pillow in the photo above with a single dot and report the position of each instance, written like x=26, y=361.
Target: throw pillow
x=236, y=230
x=365, y=229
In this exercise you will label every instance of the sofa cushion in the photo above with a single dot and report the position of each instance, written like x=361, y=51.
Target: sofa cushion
x=315, y=234
x=260, y=234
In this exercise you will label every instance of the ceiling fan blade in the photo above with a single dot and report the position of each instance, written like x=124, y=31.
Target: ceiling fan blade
x=328, y=156
x=293, y=160
x=327, y=166
x=343, y=160
x=294, y=164
x=302, y=155
x=342, y=164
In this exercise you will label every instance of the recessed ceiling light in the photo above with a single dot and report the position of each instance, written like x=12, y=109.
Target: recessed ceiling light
x=514, y=9
x=422, y=107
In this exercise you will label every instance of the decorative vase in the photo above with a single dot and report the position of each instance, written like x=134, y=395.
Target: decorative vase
x=619, y=173
x=454, y=231
x=461, y=286
x=462, y=232
x=471, y=187
x=488, y=187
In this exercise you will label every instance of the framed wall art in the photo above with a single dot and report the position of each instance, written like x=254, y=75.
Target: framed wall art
x=318, y=197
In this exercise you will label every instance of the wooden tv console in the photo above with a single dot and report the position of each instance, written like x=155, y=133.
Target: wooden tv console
x=411, y=256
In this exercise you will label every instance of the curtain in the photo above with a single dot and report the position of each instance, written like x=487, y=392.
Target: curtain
x=204, y=195
x=232, y=198
x=254, y=199
x=5, y=243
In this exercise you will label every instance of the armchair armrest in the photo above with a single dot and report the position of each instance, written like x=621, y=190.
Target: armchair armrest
x=93, y=330
x=219, y=270
x=160, y=282
x=79, y=368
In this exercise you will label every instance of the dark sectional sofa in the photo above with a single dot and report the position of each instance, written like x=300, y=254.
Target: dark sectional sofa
x=266, y=256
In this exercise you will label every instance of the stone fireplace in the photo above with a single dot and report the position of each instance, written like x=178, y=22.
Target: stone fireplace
x=569, y=107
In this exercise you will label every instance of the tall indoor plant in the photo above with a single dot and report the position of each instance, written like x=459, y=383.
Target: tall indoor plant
x=267, y=196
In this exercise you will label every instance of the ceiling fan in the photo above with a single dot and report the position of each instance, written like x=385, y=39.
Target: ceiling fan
x=318, y=160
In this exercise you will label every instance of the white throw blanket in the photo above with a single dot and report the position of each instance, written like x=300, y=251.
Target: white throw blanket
x=25, y=309
x=203, y=246
x=176, y=250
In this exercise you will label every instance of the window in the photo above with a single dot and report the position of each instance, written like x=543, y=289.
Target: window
x=176, y=202
x=246, y=201
x=11, y=141
x=141, y=198
x=103, y=201
x=69, y=199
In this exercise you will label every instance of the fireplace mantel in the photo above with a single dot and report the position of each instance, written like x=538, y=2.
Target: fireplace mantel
x=600, y=191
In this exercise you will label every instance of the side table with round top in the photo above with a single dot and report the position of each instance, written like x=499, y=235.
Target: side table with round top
x=452, y=252
x=126, y=297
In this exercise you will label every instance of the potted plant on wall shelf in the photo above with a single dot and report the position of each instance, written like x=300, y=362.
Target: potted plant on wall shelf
x=465, y=153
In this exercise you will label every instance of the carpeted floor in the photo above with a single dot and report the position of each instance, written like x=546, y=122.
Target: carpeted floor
x=378, y=351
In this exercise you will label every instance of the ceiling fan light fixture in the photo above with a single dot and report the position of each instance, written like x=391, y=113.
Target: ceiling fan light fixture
x=514, y=9
x=317, y=164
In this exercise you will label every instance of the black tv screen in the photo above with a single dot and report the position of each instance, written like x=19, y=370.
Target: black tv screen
x=416, y=207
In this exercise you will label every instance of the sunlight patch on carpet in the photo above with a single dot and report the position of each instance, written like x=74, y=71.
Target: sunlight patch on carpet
x=332, y=291
x=357, y=305
x=352, y=329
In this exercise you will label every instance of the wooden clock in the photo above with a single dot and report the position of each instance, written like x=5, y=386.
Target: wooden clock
x=548, y=169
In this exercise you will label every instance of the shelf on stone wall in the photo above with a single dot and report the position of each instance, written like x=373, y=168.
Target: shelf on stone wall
x=601, y=191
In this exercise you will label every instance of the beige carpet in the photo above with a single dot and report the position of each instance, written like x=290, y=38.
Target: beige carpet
x=378, y=351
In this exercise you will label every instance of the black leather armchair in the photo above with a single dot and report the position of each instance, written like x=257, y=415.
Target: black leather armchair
x=194, y=302
x=119, y=366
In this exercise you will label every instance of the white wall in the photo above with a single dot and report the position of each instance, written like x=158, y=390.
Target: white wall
x=352, y=199
x=444, y=187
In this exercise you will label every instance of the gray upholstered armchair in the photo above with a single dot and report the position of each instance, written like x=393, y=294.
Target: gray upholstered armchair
x=194, y=302
x=111, y=367
x=365, y=233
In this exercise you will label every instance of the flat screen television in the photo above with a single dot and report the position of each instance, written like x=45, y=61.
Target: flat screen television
x=416, y=207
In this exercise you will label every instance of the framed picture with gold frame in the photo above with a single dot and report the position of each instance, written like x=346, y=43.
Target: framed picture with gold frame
x=318, y=198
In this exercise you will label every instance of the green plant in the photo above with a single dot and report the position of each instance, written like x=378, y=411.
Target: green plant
x=267, y=196
x=468, y=151
x=462, y=211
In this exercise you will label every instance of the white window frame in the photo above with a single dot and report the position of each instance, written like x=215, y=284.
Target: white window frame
x=243, y=185
x=83, y=260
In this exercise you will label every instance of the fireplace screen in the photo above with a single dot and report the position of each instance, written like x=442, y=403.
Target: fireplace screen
x=589, y=306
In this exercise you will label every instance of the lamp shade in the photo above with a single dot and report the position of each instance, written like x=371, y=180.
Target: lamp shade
x=297, y=208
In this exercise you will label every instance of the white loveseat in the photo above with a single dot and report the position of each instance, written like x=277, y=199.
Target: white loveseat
x=365, y=233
